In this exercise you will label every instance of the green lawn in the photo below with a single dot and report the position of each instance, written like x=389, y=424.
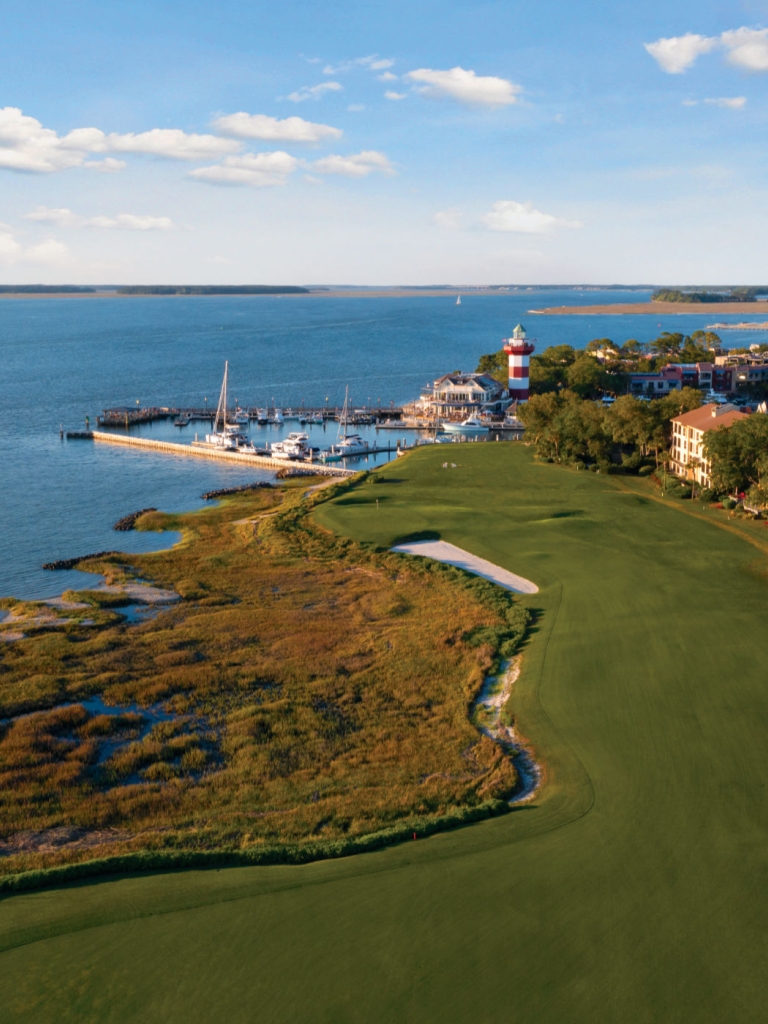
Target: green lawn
x=633, y=889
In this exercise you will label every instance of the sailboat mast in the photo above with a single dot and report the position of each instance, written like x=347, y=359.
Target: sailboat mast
x=222, y=406
x=344, y=416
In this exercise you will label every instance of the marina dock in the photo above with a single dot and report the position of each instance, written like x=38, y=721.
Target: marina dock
x=205, y=452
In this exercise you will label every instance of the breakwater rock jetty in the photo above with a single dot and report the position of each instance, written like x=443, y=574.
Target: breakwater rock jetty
x=128, y=522
x=70, y=563
x=224, y=491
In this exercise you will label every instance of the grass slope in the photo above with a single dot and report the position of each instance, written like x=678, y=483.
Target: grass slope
x=632, y=891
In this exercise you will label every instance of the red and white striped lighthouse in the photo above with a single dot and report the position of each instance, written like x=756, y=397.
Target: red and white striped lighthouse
x=519, y=351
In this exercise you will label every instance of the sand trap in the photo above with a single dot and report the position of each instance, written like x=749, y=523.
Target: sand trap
x=442, y=551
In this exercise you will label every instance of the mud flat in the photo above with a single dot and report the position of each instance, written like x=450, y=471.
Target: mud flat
x=657, y=309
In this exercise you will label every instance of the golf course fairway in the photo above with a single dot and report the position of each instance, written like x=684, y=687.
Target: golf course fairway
x=632, y=889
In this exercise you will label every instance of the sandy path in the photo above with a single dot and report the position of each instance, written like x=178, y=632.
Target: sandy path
x=442, y=551
x=486, y=716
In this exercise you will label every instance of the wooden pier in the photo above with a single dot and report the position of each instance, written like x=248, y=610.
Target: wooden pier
x=201, y=450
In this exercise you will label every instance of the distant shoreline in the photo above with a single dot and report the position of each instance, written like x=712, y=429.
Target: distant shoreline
x=329, y=293
x=712, y=310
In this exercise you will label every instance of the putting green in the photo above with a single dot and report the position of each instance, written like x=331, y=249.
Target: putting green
x=632, y=890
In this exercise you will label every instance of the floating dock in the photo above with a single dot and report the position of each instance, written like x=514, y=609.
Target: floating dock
x=201, y=450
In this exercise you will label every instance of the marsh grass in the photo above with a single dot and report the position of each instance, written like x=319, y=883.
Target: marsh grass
x=321, y=690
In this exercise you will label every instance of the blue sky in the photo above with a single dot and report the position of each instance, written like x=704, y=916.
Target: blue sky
x=384, y=143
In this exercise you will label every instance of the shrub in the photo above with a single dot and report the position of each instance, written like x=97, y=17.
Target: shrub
x=645, y=471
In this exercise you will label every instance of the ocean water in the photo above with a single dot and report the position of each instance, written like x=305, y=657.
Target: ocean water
x=64, y=359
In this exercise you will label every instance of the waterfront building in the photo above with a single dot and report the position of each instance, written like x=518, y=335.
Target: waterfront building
x=688, y=459
x=458, y=395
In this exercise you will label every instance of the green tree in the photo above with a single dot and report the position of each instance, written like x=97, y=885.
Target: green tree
x=588, y=379
x=496, y=364
x=738, y=454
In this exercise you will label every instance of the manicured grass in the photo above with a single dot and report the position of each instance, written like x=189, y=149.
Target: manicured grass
x=632, y=891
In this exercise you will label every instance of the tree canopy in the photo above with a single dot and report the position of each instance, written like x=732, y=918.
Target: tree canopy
x=738, y=457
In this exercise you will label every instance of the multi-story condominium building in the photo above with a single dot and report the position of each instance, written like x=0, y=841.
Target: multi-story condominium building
x=688, y=459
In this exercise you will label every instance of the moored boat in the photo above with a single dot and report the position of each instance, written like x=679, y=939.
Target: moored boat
x=471, y=425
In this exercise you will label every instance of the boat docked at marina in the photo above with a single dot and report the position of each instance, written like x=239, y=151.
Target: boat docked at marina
x=295, y=446
x=471, y=425
x=227, y=436
x=346, y=444
x=262, y=416
x=241, y=417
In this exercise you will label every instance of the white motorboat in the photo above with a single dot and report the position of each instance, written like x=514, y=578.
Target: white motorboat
x=471, y=425
x=241, y=417
x=295, y=446
x=262, y=416
x=277, y=417
x=350, y=444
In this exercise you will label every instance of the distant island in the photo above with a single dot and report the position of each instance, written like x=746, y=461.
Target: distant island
x=707, y=295
x=44, y=289
x=213, y=289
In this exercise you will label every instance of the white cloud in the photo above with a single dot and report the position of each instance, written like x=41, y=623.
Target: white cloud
x=107, y=166
x=273, y=129
x=390, y=95
x=313, y=92
x=387, y=77
x=61, y=216
x=355, y=108
x=747, y=48
x=373, y=62
x=690, y=103
x=450, y=219
x=676, y=54
x=168, y=142
x=507, y=215
x=25, y=145
x=466, y=86
x=259, y=170
x=47, y=253
x=731, y=102
x=358, y=166
x=65, y=218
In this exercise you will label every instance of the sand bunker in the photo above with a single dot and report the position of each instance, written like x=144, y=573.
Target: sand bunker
x=442, y=551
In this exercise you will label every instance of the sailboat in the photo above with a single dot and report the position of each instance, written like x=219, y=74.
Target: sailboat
x=224, y=435
x=458, y=300
x=347, y=444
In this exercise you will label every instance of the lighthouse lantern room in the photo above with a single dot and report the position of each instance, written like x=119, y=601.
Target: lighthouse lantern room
x=519, y=350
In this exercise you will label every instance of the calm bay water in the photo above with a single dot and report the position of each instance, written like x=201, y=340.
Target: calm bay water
x=63, y=359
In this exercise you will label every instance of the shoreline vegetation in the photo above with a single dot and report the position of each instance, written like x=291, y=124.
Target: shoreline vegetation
x=307, y=697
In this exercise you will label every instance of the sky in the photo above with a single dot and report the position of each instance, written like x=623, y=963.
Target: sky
x=384, y=143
